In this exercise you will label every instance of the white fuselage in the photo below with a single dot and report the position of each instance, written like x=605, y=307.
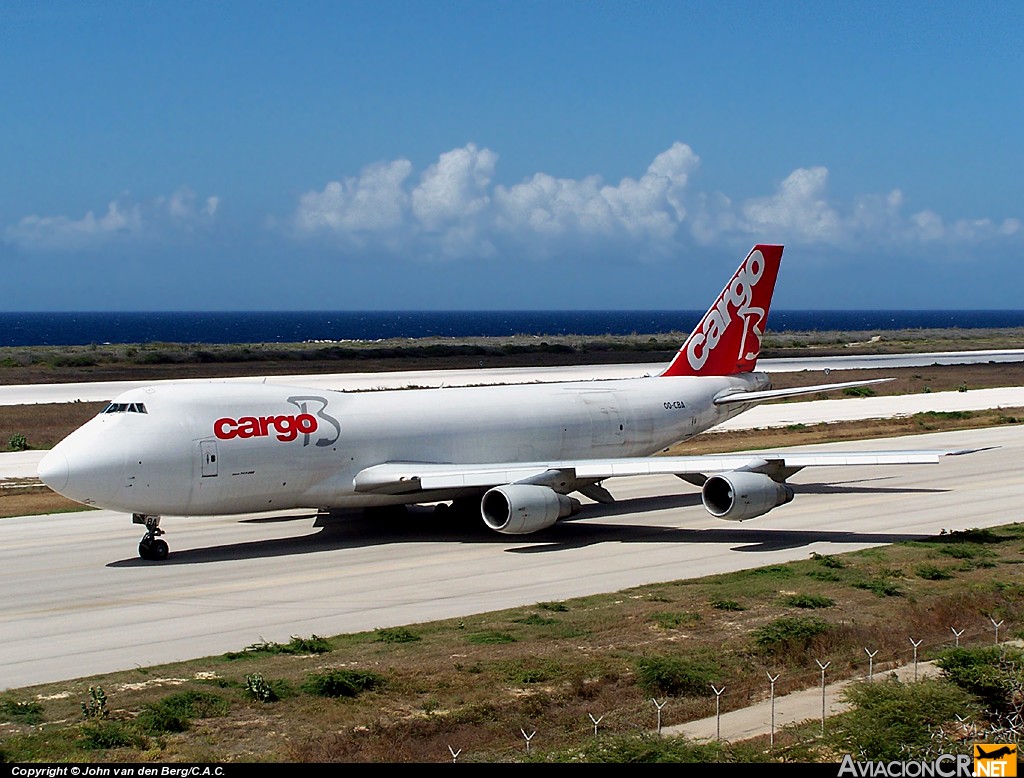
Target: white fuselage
x=218, y=448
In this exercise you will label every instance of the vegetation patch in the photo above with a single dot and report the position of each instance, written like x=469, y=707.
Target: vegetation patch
x=554, y=607
x=883, y=587
x=789, y=633
x=678, y=676
x=727, y=605
x=104, y=735
x=808, y=601
x=994, y=674
x=932, y=572
x=522, y=674
x=536, y=620
x=175, y=713
x=829, y=561
x=259, y=689
x=490, y=638
x=21, y=711
x=311, y=645
x=342, y=683
x=670, y=620
x=396, y=635
x=891, y=720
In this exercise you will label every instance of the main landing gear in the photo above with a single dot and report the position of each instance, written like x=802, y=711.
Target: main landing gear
x=151, y=547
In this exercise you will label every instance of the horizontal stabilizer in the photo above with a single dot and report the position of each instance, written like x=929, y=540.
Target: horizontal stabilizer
x=795, y=391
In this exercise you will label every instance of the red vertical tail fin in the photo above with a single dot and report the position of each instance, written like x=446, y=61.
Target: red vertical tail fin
x=728, y=339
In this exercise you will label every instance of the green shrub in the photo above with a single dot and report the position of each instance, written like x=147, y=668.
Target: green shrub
x=29, y=712
x=17, y=442
x=896, y=721
x=727, y=605
x=674, y=620
x=536, y=620
x=808, y=601
x=342, y=683
x=932, y=573
x=490, y=638
x=881, y=587
x=678, y=676
x=396, y=635
x=827, y=560
x=789, y=633
x=314, y=644
x=992, y=673
x=99, y=735
x=174, y=713
x=523, y=676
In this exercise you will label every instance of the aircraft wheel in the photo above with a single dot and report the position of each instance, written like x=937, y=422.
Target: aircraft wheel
x=153, y=550
x=159, y=550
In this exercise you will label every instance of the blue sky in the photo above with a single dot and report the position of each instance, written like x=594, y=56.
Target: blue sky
x=508, y=155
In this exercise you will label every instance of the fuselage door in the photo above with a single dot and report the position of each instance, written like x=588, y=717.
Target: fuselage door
x=208, y=457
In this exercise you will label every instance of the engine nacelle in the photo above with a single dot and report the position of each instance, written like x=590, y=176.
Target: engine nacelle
x=518, y=509
x=739, y=495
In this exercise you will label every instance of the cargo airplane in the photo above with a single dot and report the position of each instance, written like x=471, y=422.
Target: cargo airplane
x=513, y=453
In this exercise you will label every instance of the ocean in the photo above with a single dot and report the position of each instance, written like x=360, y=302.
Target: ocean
x=82, y=329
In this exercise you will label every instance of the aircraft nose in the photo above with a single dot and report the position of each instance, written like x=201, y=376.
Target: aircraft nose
x=53, y=470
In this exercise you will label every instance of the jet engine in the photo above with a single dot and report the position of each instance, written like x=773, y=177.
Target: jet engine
x=518, y=509
x=741, y=495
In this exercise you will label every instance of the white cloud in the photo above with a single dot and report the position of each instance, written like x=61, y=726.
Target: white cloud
x=375, y=202
x=798, y=210
x=454, y=189
x=124, y=222
x=60, y=233
x=456, y=209
x=646, y=211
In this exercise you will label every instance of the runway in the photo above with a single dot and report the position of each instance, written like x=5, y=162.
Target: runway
x=78, y=601
x=100, y=391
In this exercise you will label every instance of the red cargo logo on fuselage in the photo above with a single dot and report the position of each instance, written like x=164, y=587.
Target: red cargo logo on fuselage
x=286, y=427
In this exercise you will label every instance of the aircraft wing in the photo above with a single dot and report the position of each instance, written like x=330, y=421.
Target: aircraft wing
x=412, y=477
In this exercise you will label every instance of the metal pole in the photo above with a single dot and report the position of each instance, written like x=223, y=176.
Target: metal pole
x=659, y=706
x=871, y=662
x=957, y=635
x=528, y=738
x=772, y=681
x=915, y=645
x=718, y=711
x=823, y=666
x=997, y=626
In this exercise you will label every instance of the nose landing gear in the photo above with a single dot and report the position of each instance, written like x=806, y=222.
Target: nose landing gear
x=151, y=547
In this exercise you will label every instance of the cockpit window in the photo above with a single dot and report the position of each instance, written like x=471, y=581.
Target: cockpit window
x=125, y=408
